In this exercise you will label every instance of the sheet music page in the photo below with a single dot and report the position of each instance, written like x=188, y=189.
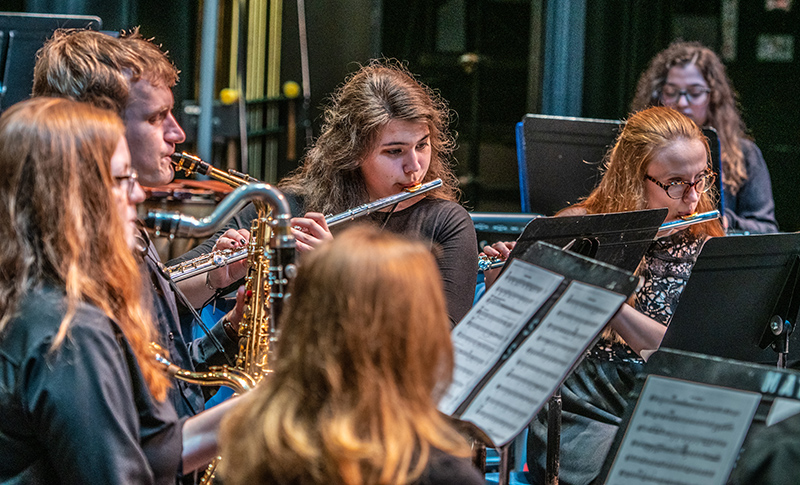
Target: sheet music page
x=532, y=374
x=481, y=337
x=683, y=432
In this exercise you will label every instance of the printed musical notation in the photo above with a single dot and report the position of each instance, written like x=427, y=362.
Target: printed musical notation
x=481, y=337
x=683, y=432
x=528, y=378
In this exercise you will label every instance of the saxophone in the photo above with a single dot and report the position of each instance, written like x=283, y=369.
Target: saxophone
x=270, y=256
x=270, y=267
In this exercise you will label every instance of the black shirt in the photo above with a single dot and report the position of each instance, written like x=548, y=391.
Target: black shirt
x=81, y=413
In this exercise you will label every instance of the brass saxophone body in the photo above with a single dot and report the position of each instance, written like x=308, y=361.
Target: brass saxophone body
x=270, y=257
x=269, y=269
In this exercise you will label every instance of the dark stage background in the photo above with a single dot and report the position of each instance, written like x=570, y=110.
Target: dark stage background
x=491, y=60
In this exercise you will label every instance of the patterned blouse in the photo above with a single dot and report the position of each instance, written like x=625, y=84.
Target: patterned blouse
x=666, y=268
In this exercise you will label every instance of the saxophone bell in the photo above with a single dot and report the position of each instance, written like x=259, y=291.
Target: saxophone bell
x=215, y=376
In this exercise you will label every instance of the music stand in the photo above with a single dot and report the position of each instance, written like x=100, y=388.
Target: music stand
x=21, y=36
x=559, y=159
x=716, y=165
x=662, y=439
x=741, y=286
x=619, y=239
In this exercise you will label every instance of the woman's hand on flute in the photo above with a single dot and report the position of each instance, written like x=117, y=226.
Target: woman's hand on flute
x=500, y=250
x=229, y=274
x=310, y=231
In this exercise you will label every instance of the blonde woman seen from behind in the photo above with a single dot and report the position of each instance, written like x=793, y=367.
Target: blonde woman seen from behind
x=364, y=355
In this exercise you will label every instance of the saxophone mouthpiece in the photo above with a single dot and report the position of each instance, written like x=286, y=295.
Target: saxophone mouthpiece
x=189, y=163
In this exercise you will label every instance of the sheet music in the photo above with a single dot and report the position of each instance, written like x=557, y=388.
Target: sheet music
x=781, y=409
x=486, y=331
x=683, y=432
x=532, y=374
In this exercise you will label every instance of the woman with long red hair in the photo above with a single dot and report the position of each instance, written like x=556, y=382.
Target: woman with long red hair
x=82, y=398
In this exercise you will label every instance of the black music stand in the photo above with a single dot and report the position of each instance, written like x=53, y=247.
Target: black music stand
x=619, y=239
x=560, y=158
x=716, y=165
x=21, y=35
x=742, y=289
x=686, y=457
x=516, y=323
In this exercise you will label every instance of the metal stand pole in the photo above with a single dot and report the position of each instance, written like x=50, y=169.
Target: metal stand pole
x=505, y=465
x=208, y=51
x=553, y=438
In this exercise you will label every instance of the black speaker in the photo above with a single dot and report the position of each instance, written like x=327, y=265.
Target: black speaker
x=21, y=36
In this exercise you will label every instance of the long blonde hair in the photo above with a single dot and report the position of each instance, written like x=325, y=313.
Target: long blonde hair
x=62, y=224
x=330, y=178
x=723, y=114
x=364, y=355
x=644, y=136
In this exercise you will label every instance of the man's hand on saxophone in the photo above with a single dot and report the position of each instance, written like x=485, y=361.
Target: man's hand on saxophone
x=230, y=322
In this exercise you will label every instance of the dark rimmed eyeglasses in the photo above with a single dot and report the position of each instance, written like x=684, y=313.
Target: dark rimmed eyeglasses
x=127, y=182
x=678, y=190
x=695, y=95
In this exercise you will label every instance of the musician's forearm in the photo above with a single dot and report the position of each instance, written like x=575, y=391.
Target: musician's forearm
x=196, y=290
x=639, y=331
x=200, y=435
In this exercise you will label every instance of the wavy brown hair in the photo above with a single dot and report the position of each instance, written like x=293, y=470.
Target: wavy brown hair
x=364, y=355
x=90, y=66
x=62, y=223
x=643, y=137
x=723, y=114
x=330, y=179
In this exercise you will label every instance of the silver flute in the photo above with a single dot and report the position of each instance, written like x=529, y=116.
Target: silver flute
x=218, y=259
x=492, y=262
x=176, y=224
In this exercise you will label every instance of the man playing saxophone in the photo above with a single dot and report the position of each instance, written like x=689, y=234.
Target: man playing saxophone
x=382, y=133
x=133, y=77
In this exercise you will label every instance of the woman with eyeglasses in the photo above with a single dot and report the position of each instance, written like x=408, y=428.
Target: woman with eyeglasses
x=691, y=78
x=82, y=398
x=661, y=159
